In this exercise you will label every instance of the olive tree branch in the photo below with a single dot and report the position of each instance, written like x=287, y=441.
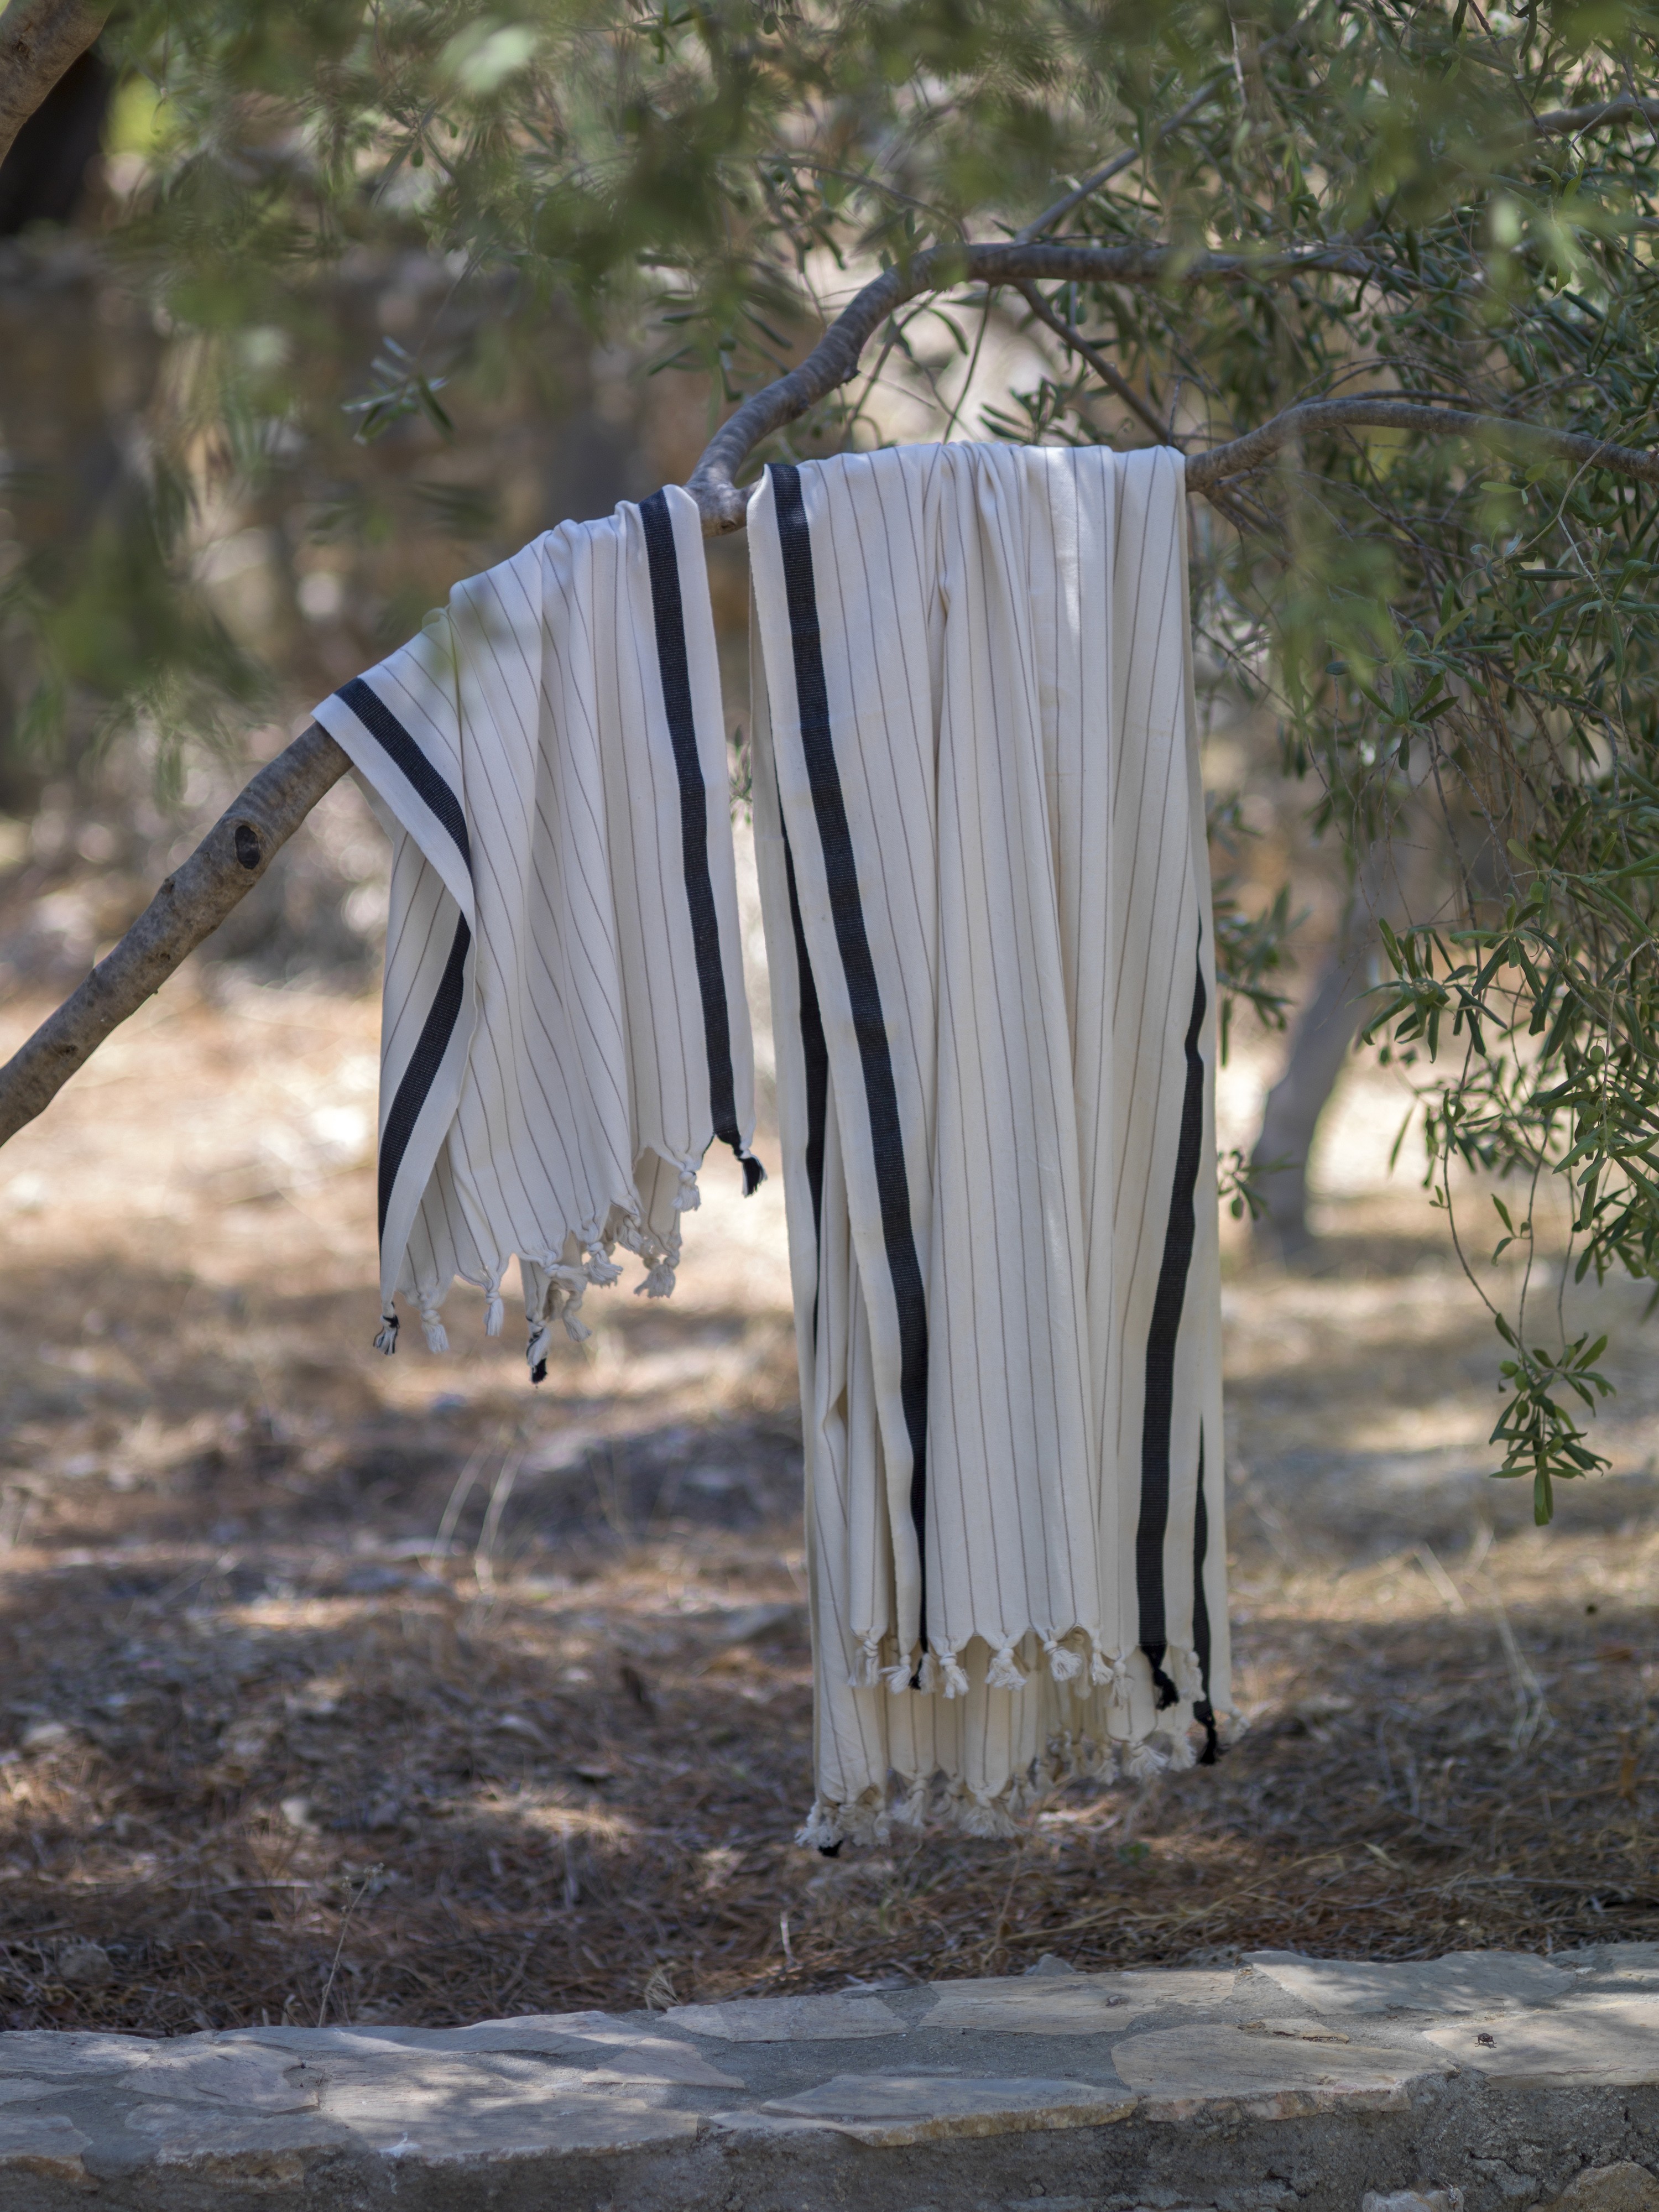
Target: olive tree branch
x=38, y=40
x=198, y=895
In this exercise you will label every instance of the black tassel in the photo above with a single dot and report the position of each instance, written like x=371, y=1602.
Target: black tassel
x=1204, y=1714
x=829, y=1850
x=539, y=1372
x=754, y=1175
x=1167, y=1692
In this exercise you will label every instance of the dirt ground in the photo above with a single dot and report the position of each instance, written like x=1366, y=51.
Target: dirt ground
x=387, y=1690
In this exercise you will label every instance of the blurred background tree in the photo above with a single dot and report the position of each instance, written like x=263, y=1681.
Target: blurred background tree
x=357, y=296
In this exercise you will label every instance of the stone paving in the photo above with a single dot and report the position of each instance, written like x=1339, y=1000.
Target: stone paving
x=1482, y=2082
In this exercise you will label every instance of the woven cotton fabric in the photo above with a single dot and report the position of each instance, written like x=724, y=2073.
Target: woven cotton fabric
x=564, y=1028
x=980, y=828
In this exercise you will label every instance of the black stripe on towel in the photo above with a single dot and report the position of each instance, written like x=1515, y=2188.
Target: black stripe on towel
x=1203, y=1710
x=424, y=1062
x=864, y=994
x=669, y=615
x=1158, y=1416
x=418, y=771
x=815, y=1055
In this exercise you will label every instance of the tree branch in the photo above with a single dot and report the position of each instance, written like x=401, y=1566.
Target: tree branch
x=190, y=906
x=235, y=853
x=1562, y=122
x=834, y=359
x=1527, y=440
x=38, y=40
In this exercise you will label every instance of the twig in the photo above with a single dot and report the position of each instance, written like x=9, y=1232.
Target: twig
x=484, y=1566
x=458, y=1496
x=357, y=1893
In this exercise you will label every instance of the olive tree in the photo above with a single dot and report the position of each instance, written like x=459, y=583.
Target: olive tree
x=1384, y=272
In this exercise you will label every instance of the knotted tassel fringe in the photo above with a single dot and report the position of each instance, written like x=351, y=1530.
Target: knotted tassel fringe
x=437, y=1336
x=1167, y=1692
x=820, y=1831
x=1114, y=1675
x=1141, y=1761
x=1003, y=1673
x=866, y=1668
x=1204, y=1714
x=911, y=1810
x=386, y=1342
x=1063, y=1665
x=754, y=1175
x=1180, y=1753
x=536, y=1351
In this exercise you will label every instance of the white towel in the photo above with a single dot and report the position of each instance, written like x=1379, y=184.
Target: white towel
x=564, y=1028
x=981, y=831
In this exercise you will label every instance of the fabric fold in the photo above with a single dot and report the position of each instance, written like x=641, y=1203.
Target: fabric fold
x=565, y=1030
x=980, y=830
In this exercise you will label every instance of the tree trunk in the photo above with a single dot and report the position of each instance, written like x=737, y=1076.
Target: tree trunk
x=1320, y=1041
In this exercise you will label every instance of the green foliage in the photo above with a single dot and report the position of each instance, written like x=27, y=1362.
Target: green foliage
x=1459, y=650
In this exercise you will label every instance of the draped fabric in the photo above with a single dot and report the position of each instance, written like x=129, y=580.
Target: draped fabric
x=980, y=827
x=564, y=1028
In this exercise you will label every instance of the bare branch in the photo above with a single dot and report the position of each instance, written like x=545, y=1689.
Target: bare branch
x=1562, y=122
x=38, y=40
x=190, y=906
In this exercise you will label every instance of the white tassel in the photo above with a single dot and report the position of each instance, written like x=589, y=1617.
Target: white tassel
x=1063, y=1757
x=979, y=1813
x=1141, y=1761
x=437, y=1336
x=601, y=1272
x=867, y=1819
x=576, y=1330
x=659, y=1282
x=898, y=1679
x=950, y=1666
x=911, y=1810
x=386, y=1342
x=1113, y=1675
x=494, y=1312
x=1188, y=1675
x=1063, y=1665
x=687, y=1198
x=822, y=1831
x=1181, y=1753
x=866, y=1668
x=1003, y=1673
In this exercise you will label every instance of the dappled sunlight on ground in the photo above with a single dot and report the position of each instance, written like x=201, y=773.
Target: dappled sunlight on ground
x=478, y=1700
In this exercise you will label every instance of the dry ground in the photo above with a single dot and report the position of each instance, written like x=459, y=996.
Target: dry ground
x=390, y=1690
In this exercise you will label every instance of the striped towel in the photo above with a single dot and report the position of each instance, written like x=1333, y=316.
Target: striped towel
x=980, y=827
x=564, y=1028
